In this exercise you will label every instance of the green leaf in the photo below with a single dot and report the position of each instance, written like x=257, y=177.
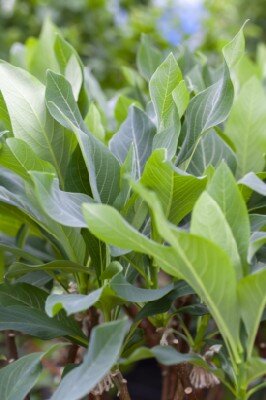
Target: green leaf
x=94, y=122
x=71, y=303
x=168, y=133
x=103, y=167
x=224, y=190
x=255, y=368
x=20, y=300
x=63, y=51
x=163, y=304
x=13, y=191
x=73, y=74
x=164, y=80
x=181, y=97
x=9, y=161
x=42, y=56
x=77, y=174
x=133, y=77
x=176, y=190
x=63, y=207
x=27, y=158
x=135, y=294
x=257, y=240
x=54, y=267
x=235, y=50
x=245, y=127
x=211, y=107
x=121, y=107
x=107, y=224
x=25, y=101
x=257, y=222
x=148, y=57
x=165, y=355
x=207, y=109
x=162, y=83
x=19, y=377
x=198, y=262
x=195, y=259
x=252, y=296
x=105, y=344
x=19, y=252
x=137, y=131
x=98, y=252
x=69, y=62
x=211, y=150
x=4, y=115
x=209, y=221
x=253, y=182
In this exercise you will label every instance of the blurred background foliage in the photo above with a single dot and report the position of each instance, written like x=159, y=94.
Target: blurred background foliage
x=106, y=33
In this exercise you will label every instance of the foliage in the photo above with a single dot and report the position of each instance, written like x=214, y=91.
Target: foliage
x=104, y=32
x=128, y=213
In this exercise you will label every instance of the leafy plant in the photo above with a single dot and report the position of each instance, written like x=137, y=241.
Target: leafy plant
x=134, y=226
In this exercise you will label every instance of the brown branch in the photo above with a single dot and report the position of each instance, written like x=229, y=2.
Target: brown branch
x=151, y=335
x=121, y=385
x=72, y=354
x=11, y=346
x=183, y=373
x=165, y=379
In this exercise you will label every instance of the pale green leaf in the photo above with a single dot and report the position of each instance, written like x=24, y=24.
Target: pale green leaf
x=20, y=300
x=197, y=261
x=53, y=268
x=224, y=190
x=209, y=221
x=176, y=190
x=257, y=240
x=42, y=56
x=27, y=158
x=18, y=378
x=255, y=368
x=166, y=355
x=162, y=83
x=103, y=167
x=253, y=182
x=73, y=73
x=252, y=296
x=181, y=97
x=148, y=57
x=94, y=122
x=63, y=207
x=211, y=150
x=164, y=80
x=246, y=127
x=121, y=107
x=105, y=344
x=136, y=131
x=211, y=107
x=71, y=303
x=193, y=258
x=25, y=100
x=135, y=294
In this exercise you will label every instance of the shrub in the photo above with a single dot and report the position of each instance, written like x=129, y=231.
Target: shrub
x=134, y=225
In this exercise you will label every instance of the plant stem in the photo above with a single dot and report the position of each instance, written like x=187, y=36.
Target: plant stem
x=121, y=385
x=72, y=354
x=11, y=346
x=255, y=389
x=165, y=378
